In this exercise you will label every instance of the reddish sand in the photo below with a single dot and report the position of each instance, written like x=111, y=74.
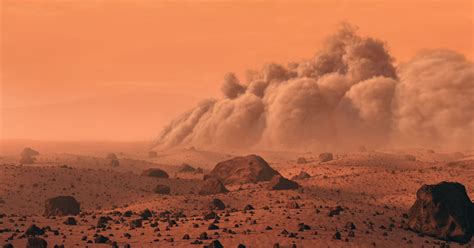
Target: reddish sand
x=374, y=188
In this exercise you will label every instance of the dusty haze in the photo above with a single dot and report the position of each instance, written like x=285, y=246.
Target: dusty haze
x=120, y=70
x=197, y=123
x=350, y=93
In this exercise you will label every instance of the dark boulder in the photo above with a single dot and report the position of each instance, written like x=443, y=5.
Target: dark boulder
x=34, y=230
x=444, y=211
x=248, y=207
x=183, y=168
x=248, y=169
x=136, y=223
x=101, y=239
x=70, y=221
x=215, y=244
x=62, y=205
x=146, y=214
x=103, y=221
x=216, y=204
x=210, y=215
x=35, y=242
x=159, y=173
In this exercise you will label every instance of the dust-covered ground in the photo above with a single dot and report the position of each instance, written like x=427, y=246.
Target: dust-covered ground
x=374, y=189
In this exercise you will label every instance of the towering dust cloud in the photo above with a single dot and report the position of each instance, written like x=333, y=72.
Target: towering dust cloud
x=348, y=94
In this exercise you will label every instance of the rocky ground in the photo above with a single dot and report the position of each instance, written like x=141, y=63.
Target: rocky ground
x=358, y=199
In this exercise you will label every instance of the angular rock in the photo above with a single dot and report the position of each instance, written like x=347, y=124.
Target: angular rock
x=62, y=205
x=444, y=211
x=101, y=239
x=155, y=172
x=183, y=168
x=102, y=221
x=248, y=207
x=248, y=169
x=212, y=227
x=34, y=230
x=70, y=221
x=136, y=223
x=216, y=204
x=215, y=244
x=36, y=243
x=210, y=215
x=146, y=214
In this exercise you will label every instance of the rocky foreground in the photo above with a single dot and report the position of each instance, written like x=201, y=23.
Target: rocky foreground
x=362, y=199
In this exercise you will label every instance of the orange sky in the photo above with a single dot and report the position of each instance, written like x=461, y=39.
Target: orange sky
x=119, y=70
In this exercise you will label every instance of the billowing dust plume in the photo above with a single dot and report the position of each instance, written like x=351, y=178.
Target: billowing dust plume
x=348, y=94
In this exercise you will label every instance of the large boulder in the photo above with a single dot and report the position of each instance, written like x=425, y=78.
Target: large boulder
x=248, y=169
x=278, y=182
x=444, y=211
x=212, y=186
x=62, y=205
x=35, y=242
x=154, y=172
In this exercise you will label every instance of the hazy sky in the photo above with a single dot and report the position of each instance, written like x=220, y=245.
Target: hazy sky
x=120, y=70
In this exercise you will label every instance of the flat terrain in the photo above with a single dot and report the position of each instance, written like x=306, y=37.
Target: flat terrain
x=373, y=188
